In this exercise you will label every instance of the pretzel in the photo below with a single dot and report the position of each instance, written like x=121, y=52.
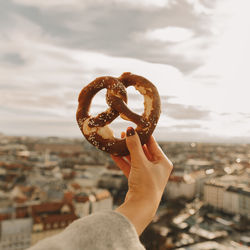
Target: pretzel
x=96, y=129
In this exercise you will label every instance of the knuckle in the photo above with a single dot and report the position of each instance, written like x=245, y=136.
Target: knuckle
x=169, y=164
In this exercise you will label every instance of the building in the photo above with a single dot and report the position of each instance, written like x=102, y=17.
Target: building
x=51, y=218
x=180, y=186
x=201, y=177
x=15, y=234
x=103, y=201
x=214, y=194
x=112, y=179
x=196, y=164
x=229, y=193
x=82, y=204
x=237, y=200
x=187, y=185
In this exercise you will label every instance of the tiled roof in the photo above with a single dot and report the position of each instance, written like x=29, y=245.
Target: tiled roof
x=47, y=207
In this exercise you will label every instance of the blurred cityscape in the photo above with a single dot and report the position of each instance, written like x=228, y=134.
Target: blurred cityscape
x=46, y=183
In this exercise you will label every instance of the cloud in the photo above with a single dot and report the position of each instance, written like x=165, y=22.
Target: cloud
x=183, y=112
x=41, y=127
x=78, y=3
x=196, y=135
x=188, y=126
x=12, y=59
x=168, y=34
x=110, y=27
x=227, y=58
x=47, y=85
x=196, y=53
x=202, y=6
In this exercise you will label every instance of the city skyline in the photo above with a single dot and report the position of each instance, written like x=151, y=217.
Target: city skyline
x=194, y=51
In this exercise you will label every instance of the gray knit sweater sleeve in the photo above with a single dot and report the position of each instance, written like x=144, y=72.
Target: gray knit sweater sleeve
x=102, y=230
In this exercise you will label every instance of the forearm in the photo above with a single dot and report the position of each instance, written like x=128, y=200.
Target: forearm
x=140, y=212
x=147, y=174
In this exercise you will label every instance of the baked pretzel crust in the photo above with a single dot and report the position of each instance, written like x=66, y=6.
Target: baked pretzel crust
x=96, y=129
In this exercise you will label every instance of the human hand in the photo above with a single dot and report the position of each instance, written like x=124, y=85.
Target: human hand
x=147, y=169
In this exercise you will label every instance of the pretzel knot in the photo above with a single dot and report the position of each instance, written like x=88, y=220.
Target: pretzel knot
x=96, y=129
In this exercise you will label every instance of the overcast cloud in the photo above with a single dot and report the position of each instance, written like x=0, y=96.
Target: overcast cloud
x=194, y=51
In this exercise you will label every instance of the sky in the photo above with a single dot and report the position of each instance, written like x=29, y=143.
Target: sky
x=196, y=52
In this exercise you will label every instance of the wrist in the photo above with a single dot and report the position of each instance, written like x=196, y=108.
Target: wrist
x=149, y=201
x=150, y=198
x=140, y=211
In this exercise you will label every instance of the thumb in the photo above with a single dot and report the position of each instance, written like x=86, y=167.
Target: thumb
x=134, y=146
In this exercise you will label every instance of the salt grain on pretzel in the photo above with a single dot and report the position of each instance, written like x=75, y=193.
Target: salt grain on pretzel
x=96, y=129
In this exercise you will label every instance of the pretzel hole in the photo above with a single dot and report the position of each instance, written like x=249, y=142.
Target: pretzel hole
x=98, y=103
x=119, y=125
x=135, y=100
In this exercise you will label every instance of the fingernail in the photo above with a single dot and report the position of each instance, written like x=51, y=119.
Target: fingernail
x=130, y=131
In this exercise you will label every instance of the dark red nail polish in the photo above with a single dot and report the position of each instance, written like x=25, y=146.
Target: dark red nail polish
x=130, y=131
